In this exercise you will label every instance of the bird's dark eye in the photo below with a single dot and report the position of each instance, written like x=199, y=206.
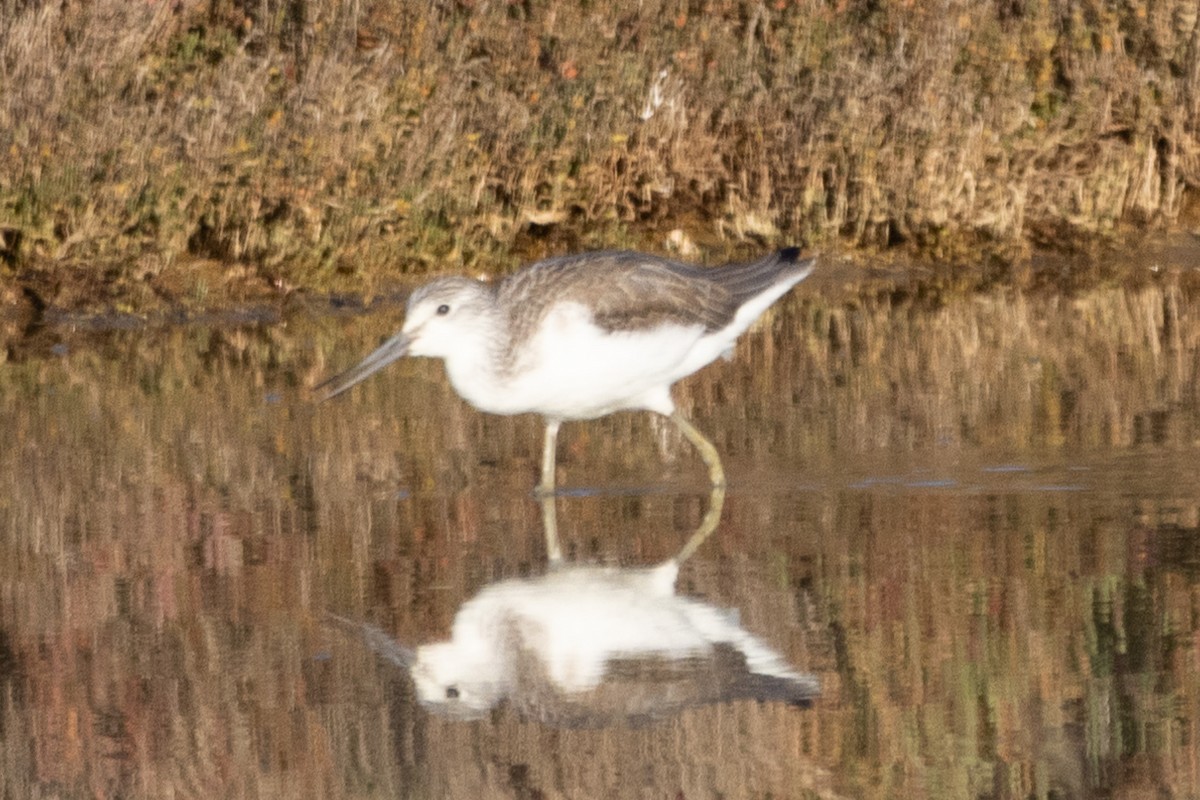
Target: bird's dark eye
x=451, y=692
x=443, y=310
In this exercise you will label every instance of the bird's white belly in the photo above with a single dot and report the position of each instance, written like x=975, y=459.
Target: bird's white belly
x=577, y=621
x=576, y=370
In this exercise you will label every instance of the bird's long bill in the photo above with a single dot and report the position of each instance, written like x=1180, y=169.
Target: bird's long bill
x=378, y=640
x=385, y=354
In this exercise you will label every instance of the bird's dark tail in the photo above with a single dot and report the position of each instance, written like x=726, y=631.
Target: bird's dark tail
x=747, y=279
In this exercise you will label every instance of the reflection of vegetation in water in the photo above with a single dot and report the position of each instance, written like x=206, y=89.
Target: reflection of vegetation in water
x=174, y=518
x=1107, y=367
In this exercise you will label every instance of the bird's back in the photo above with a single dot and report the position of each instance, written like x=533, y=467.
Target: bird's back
x=625, y=291
x=629, y=291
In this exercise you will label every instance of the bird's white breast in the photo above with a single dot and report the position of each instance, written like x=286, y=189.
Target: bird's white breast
x=574, y=369
x=576, y=622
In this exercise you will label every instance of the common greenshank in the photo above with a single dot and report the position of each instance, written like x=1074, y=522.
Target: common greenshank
x=580, y=336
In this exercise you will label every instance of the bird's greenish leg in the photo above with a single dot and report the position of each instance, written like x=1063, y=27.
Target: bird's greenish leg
x=716, y=474
x=545, y=492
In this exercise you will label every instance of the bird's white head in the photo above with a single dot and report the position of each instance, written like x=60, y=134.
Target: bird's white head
x=453, y=681
x=444, y=316
x=448, y=318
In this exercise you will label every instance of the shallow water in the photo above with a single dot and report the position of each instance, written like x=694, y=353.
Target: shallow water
x=976, y=520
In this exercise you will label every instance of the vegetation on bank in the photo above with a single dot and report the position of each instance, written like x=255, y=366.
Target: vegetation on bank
x=173, y=149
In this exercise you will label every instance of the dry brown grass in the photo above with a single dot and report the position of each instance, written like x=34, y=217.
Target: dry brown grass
x=326, y=143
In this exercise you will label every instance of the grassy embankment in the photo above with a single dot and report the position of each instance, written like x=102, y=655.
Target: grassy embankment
x=197, y=152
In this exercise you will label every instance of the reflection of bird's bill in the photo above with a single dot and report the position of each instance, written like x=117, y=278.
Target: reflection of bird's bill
x=378, y=640
x=391, y=350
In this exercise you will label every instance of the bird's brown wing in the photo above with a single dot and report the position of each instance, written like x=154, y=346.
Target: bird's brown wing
x=640, y=689
x=626, y=291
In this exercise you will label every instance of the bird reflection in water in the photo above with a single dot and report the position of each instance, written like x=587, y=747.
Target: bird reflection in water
x=590, y=645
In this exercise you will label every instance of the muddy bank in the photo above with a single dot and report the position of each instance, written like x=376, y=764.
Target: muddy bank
x=51, y=311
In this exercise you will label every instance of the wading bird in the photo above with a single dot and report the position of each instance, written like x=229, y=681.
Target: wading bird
x=580, y=336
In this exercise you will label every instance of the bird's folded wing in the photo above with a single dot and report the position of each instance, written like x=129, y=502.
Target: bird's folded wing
x=624, y=291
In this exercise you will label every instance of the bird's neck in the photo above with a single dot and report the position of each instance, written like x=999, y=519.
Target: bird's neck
x=477, y=364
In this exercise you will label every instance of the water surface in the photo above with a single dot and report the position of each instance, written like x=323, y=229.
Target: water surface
x=976, y=519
